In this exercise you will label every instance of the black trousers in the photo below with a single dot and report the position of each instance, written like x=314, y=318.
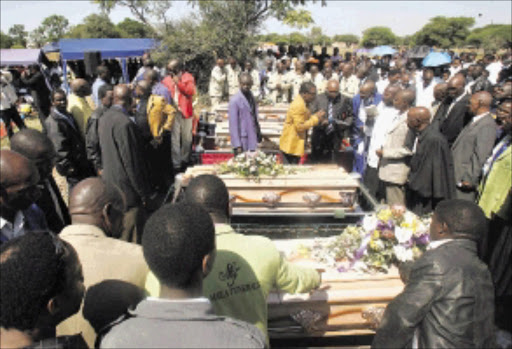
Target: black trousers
x=9, y=115
x=290, y=159
x=373, y=183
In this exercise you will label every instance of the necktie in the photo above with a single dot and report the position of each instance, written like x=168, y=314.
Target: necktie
x=329, y=112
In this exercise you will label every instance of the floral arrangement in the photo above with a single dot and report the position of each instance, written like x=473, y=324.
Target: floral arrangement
x=390, y=236
x=253, y=165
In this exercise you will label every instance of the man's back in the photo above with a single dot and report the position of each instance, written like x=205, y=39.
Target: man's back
x=121, y=151
x=160, y=323
x=102, y=258
x=448, y=299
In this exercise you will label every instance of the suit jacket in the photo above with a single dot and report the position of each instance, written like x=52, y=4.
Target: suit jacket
x=122, y=152
x=448, y=300
x=298, y=121
x=92, y=141
x=243, y=126
x=450, y=125
x=70, y=146
x=472, y=148
x=341, y=110
x=396, y=152
x=102, y=258
x=52, y=204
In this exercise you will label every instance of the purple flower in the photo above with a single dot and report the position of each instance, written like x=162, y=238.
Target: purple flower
x=423, y=239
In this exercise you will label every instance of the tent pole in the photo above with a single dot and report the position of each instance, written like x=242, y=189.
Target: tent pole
x=124, y=68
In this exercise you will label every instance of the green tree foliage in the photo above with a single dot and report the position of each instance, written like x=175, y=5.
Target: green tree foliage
x=444, y=32
x=19, y=35
x=38, y=37
x=94, y=26
x=299, y=19
x=5, y=40
x=129, y=28
x=54, y=27
x=376, y=36
x=491, y=37
x=348, y=39
x=148, y=12
x=317, y=37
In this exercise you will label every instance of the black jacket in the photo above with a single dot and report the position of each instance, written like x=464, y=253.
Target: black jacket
x=92, y=140
x=481, y=84
x=39, y=91
x=341, y=111
x=450, y=125
x=448, y=298
x=53, y=206
x=122, y=156
x=70, y=146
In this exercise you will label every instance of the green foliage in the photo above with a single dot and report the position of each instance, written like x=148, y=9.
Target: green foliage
x=376, y=36
x=316, y=37
x=94, y=26
x=54, y=27
x=145, y=11
x=444, y=32
x=5, y=40
x=19, y=35
x=298, y=19
x=38, y=37
x=348, y=39
x=129, y=28
x=491, y=37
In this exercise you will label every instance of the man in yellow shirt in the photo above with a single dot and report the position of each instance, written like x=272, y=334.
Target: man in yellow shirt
x=298, y=121
x=246, y=267
x=78, y=105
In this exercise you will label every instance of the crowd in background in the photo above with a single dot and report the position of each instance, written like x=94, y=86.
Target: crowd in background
x=419, y=137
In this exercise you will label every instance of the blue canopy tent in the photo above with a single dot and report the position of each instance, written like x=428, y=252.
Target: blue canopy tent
x=74, y=49
x=435, y=59
x=382, y=51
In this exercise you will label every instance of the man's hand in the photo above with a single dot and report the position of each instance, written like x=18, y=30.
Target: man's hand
x=379, y=152
x=176, y=78
x=320, y=114
x=465, y=185
x=278, y=86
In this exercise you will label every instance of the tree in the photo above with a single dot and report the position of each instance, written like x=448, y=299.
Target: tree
x=348, y=39
x=376, y=36
x=317, y=37
x=299, y=19
x=94, y=26
x=491, y=37
x=297, y=38
x=18, y=35
x=38, y=37
x=444, y=32
x=129, y=28
x=5, y=40
x=145, y=11
x=54, y=27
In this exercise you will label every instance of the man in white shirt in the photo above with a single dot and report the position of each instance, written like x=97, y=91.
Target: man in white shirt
x=455, y=67
x=425, y=89
x=255, y=75
x=393, y=78
x=386, y=113
x=232, y=74
x=317, y=78
x=298, y=77
x=218, y=82
x=8, y=111
x=493, y=67
x=349, y=84
x=279, y=84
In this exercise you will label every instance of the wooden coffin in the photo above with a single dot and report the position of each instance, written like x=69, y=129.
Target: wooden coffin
x=320, y=189
x=336, y=308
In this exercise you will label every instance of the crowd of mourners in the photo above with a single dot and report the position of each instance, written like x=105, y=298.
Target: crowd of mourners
x=116, y=266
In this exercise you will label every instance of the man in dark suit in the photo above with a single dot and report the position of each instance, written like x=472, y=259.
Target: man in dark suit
x=244, y=127
x=473, y=146
x=452, y=115
x=448, y=297
x=69, y=144
x=34, y=79
x=326, y=139
x=38, y=148
x=123, y=162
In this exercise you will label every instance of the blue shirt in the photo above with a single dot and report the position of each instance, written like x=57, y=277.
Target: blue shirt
x=160, y=89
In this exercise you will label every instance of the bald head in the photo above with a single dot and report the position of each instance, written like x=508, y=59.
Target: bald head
x=404, y=99
x=37, y=147
x=440, y=91
x=367, y=89
x=389, y=94
x=143, y=89
x=80, y=87
x=333, y=85
x=480, y=103
x=456, y=85
x=151, y=76
x=122, y=96
x=18, y=179
x=92, y=200
x=418, y=118
x=174, y=66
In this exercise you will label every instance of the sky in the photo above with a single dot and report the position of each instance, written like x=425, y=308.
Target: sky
x=338, y=17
